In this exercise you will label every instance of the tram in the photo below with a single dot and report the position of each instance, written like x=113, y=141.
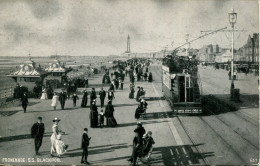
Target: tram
x=181, y=84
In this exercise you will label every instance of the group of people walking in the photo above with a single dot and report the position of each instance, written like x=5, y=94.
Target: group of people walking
x=57, y=144
x=142, y=142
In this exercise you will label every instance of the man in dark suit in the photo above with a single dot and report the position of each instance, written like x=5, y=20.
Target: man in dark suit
x=84, y=146
x=37, y=132
x=62, y=99
x=102, y=95
x=24, y=100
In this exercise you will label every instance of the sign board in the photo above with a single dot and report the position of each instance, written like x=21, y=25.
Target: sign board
x=188, y=110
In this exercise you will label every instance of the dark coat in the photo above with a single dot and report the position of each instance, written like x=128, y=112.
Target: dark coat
x=24, y=99
x=93, y=116
x=93, y=95
x=37, y=130
x=85, y=141
x=62, y=97
x=102, y=94
x=75, y=98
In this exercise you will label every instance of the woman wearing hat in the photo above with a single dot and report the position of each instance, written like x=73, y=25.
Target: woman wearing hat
x=55, y=135
x=93, y=115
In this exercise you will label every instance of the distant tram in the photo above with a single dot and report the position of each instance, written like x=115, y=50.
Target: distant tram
x=181, y=84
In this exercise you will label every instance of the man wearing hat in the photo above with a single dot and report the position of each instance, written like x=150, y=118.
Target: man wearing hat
x=102, y=95
x=84, y=146
x=84, y=98
x=62, y=99
x=37, y=132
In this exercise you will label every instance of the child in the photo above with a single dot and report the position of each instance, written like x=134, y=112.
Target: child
x=55, y=99
x=60, y=146
x=101, y=118
x=75, y=98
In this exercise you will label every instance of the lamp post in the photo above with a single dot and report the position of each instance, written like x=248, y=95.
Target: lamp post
x=232, y=20
x=187, y=39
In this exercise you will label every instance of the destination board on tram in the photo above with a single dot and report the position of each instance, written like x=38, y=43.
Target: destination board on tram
x=188, y=110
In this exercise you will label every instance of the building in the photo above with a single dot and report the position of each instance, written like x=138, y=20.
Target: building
x=27, y=74
x=224, y=56
x=208, y=53
x=56, y=74
x=250, y=51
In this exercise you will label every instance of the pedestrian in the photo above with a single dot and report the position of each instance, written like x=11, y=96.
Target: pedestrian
x=93, y=115
x=145, y=76
x=138, y=112
x=229, y=75
x=56, y=131
x=37, y=132
x=93, y=95
x=235, y=75
x=148, y=145
x=101, y=118
x=84, y=146
x=62, y=99
x=111, y=96
x=138, y=94
x=140, y=129
x=137, y=148
x=24, y=100
x=112, y=86
x=116, y=83
x=84, y=101
x=102, y=96
x=132, y=93
x=121, y=84
x=150, y=77
x=44, y=94
x=75, y=98
x=109, y=114
x=54, y=101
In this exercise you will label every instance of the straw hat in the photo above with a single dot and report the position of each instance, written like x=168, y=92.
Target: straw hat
x=56, y=119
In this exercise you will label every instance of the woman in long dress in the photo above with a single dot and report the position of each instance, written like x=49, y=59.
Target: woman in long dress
x=109, y=114
x=55, y=100
x=93, y=115
x=57, y=132
x=44, y=94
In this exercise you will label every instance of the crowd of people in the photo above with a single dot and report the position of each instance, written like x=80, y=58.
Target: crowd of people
x=142, y=142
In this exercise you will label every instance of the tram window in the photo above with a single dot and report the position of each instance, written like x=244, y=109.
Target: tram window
x=187, y=82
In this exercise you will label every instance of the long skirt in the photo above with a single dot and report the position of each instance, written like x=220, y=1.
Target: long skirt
x=111, y=122
x=131, y=95
x=44, y=96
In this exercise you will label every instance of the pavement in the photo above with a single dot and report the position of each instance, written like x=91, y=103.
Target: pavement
x=230, y=138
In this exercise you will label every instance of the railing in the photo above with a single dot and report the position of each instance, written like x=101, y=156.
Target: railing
x=6, y=93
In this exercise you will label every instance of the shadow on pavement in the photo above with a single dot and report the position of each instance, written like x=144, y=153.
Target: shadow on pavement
x=178, y=155
x=21, y=137
x=95, y=150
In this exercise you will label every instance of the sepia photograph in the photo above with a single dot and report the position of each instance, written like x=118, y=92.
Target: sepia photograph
x=129, y=82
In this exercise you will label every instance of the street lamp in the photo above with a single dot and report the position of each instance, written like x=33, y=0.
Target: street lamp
x=232, y=20
x=187, y=39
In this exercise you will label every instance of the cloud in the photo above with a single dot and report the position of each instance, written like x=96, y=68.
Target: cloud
x=100, y=27
x=44, y=9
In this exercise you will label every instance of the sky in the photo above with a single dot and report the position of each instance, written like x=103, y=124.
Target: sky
x=100, y=27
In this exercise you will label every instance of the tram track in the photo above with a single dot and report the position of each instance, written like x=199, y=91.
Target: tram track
x=238, y=114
